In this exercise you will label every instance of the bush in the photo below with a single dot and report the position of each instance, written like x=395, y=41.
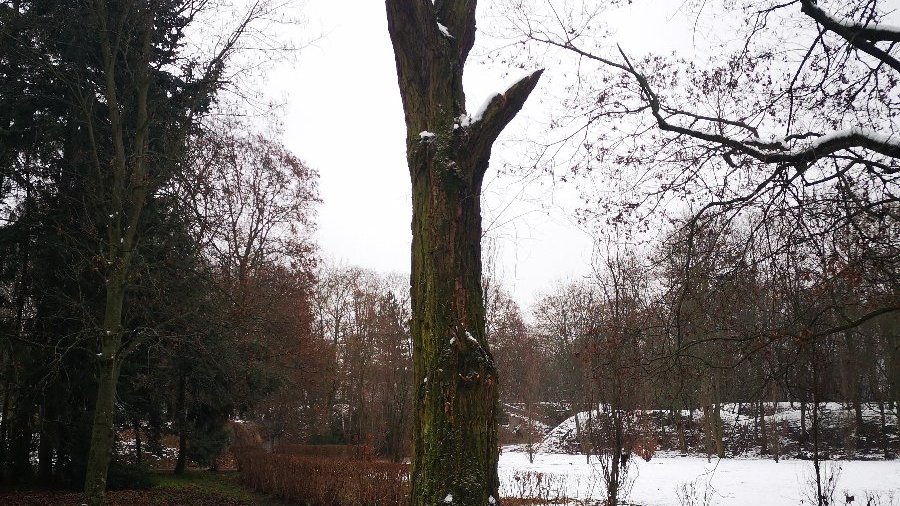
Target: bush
x=128, y=476
x=353, y=452
x=527, y=488
x=324, y=481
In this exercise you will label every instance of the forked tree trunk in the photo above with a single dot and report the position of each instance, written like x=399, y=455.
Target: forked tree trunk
x=455, y=445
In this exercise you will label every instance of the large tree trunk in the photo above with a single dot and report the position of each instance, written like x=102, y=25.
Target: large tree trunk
x=455, y=446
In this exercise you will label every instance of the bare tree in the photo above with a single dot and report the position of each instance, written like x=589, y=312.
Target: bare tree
x=796, y=119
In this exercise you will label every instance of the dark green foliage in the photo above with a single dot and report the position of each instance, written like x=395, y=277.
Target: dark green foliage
x=128, y=476
x=57, y=258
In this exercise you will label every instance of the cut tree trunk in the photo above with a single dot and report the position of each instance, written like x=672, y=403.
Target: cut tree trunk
x=455, y=445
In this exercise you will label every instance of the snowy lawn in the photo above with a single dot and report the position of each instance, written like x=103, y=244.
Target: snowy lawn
x=733, y=482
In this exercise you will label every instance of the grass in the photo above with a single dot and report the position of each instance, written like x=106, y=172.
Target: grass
x=194, y=488
x=222, y=485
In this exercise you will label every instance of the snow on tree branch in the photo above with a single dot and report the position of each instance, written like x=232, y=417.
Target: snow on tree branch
x=501, y=108
x=862, y=37
x=871, y=32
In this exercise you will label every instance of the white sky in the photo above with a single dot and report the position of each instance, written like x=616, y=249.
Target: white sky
x=343, y=116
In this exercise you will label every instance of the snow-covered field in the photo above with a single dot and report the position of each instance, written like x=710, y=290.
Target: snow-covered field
x=732, y=482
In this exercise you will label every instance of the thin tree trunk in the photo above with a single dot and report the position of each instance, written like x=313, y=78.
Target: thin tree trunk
x=45, y=446
x=181, y=420
x=455, y=446
x=139, y=456
x=884, y=434
x=803, y=434
x=755, y=421
x=616, y=467
x=4, y=428
x=679, y=425
x=719, y=430
x=817, y=464
x=776, y=435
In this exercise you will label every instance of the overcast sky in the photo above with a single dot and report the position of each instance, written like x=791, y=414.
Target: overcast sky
x=343, y=116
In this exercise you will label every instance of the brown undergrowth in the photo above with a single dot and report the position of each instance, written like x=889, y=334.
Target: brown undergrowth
x=324, y=481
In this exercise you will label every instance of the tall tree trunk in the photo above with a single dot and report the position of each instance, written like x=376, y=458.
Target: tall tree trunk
x=124, y=199
x=455, y=445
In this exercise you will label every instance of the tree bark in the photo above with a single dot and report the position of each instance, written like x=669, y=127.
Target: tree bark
x=455, y=445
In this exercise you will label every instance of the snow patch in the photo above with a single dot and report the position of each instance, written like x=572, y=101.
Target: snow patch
x=448, y=499
x=425, y=135
x=444, y=30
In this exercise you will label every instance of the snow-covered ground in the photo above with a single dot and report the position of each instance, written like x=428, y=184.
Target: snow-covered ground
x=732, y=482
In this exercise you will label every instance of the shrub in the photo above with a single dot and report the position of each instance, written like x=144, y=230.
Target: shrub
x=355, y=452
x=324, y=481
x=127, y=476
x=534, y=487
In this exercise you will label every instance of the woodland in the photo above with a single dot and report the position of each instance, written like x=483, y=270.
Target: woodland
x=165, y=309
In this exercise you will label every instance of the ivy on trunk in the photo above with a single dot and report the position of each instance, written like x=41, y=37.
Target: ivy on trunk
x=455, y=446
